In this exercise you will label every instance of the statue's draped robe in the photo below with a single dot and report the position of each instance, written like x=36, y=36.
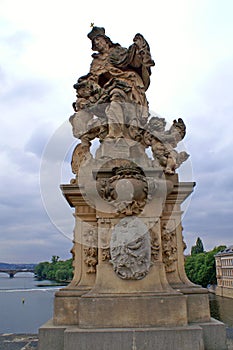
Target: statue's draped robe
x=122, y=65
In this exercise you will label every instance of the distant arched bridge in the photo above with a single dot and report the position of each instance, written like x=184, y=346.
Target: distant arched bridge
x=12, y=272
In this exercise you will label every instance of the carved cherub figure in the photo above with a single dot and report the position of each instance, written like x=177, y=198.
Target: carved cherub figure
x=163, y=143
x=155, y=138
x=178, y=128
x=80, y=155
x=174, y=135
x=87, y=95
x=84, y=122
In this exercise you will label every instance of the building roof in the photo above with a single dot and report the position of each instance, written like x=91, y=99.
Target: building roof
x=226, y=251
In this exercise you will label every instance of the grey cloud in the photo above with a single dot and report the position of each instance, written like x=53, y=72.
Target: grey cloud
x=18, y=40
x=210, y=143
x=17, y=92
x=60, y=145
x=2, y=76
x=38, y=139
x=26, y=229
x=23, y=209
x=35, y=249
x=25, y=162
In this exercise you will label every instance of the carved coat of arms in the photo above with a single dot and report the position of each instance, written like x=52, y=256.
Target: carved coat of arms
x=130, y=249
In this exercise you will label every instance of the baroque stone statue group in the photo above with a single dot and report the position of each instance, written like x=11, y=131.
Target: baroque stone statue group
x=129, y=289
x=112, y=107
x=111, y=104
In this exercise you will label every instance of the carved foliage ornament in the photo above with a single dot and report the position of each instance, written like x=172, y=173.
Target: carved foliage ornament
x=90, y=249
x=91, y=260
x=155, y=243
x=169, y=246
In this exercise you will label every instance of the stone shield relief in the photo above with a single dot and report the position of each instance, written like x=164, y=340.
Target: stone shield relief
x=130, y=249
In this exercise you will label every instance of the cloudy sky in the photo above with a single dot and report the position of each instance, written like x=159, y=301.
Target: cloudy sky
x=44, y=49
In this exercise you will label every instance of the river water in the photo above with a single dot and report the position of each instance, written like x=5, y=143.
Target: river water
x=26, y=304
x=222, y=309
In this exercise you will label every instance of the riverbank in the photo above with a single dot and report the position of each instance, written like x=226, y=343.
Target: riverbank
x=18, y=341
x=30, y=341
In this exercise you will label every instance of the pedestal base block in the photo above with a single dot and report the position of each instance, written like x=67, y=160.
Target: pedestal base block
x=214, y=335
x=185, y=338
x=51, y=337
x=136, y=311
x=66, y=310
x=203, y=336
x=198, y=308
x=197, y=302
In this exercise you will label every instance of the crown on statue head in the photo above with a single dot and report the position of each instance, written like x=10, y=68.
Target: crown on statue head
x=96, y=31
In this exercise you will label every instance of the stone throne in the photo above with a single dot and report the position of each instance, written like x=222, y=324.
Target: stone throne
x=129, y=289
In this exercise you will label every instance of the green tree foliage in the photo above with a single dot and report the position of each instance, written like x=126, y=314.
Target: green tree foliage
x=198, y=248
x=55, y=259
x=60, y=271
x=200, y=267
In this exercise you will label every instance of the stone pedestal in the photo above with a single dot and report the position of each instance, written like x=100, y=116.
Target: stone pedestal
x=98, y=309
x=204, y=336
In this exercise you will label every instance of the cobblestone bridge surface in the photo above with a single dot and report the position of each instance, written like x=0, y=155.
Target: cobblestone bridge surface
x=30, y=341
